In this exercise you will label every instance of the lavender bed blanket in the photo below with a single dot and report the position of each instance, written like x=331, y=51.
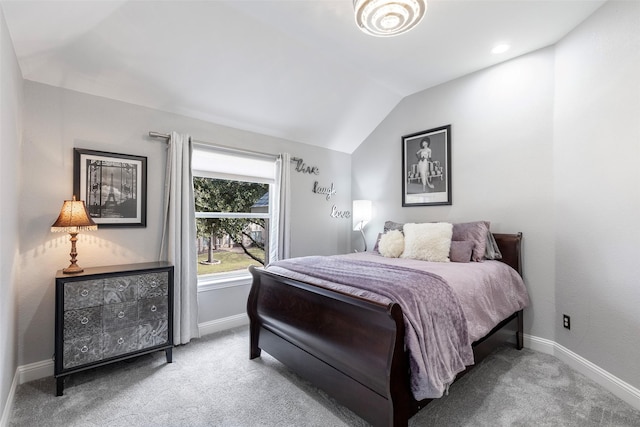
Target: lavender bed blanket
x=436, y=335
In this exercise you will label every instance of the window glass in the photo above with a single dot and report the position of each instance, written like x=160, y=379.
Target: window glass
x=232, y=218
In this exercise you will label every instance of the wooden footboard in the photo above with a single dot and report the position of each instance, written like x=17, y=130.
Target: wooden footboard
x=350, y=347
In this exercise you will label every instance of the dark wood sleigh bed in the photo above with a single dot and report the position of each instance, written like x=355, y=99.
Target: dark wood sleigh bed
x=350, y=347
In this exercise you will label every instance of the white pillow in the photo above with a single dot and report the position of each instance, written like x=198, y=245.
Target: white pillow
x=391, y=244
x=428, y=242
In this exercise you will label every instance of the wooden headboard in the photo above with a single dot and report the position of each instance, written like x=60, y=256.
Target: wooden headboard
x=509, y=245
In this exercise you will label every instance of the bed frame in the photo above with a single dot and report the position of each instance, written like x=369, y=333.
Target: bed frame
x=350, y=347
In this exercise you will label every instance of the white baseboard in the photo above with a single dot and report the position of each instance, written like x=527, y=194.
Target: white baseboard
x=6, y=412
x=34, y=371
x=615, y=385
x=223, y=324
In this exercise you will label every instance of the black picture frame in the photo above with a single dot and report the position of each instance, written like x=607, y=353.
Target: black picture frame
x=435, y=189
x=113, y=186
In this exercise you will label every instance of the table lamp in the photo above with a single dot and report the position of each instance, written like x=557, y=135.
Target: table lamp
x=73, y=218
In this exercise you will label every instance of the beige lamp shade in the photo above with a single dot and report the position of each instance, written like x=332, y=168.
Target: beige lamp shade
x=74, y=218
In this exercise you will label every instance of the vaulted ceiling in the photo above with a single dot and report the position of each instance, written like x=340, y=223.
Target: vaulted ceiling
x=295, y=69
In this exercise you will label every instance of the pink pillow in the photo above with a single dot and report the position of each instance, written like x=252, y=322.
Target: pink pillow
x=475, y=232
x=461, y=251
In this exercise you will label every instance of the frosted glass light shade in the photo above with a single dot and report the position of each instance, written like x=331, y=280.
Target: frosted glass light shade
x=385, y=18
x=361, y=213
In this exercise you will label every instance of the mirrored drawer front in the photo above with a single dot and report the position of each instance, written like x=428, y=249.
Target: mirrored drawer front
x=119, y=342
x=153, y=333
x=82, y=350
x=153, y=284
x=82, y=322
x=153, y=308
x=87, y=293
x=120, y=289
x=118, y=316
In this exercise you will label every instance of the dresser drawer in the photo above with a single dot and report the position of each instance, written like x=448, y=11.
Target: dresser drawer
x=82, y=322
x=86, y=293
x=120, y=289
x=83, y=350
x=153, y=333
x=153, y=308
x=153, y=284
x=119, y=342
x=118, y=316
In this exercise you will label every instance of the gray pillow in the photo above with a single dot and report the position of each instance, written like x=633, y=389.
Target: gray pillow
x=391, y=225
x=492, y=251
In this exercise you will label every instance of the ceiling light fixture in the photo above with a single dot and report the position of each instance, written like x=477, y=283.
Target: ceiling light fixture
x=384, y=18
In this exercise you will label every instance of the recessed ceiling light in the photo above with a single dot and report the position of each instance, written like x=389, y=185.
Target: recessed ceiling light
x=501, y=48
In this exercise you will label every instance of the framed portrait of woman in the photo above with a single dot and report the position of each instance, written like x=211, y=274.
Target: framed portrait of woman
x=426, y=167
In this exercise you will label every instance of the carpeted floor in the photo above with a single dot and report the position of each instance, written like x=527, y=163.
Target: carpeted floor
x=213, y=383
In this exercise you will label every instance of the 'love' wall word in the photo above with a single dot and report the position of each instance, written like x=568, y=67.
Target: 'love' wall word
x=335, y=213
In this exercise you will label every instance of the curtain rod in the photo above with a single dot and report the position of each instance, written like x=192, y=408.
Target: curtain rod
x=166, y=137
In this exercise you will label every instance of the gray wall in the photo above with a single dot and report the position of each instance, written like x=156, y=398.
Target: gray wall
x=546, y=144
x=57, y=120
x=597, y=189
x=11, y=101
x=501, y=142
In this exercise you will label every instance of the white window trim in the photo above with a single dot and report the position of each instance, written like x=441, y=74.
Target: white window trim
x=215, y=281
x=231, y=215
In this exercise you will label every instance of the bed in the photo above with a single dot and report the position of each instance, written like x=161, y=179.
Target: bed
x=353, y=347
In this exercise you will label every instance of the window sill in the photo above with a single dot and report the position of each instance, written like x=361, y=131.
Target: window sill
x=223, y=280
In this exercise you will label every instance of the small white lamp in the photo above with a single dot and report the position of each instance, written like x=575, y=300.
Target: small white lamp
x=361, y=216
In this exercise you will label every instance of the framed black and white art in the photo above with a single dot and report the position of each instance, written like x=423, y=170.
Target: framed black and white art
x=426, y=167
x=113, y=186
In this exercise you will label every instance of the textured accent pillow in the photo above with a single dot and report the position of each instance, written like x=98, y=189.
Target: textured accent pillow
x=391, y=244
x=475, y=232
x=430, y=241
x=461, y=251
x=492, y=251
x=391, y=225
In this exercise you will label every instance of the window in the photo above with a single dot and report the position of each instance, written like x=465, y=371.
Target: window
x=231, y=192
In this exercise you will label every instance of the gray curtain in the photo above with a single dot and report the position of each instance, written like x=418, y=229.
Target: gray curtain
x=280, y=230
x=179, y=237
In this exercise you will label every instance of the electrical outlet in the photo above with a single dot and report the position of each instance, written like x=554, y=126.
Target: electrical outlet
x=566, y=321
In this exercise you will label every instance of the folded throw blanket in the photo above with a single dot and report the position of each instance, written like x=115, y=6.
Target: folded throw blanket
x=436, y=335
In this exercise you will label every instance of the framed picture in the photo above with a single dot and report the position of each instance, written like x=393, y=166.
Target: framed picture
x=426, y=167
x=113, y=186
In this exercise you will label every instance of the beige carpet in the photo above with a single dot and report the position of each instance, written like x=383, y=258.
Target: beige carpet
x=213, y=383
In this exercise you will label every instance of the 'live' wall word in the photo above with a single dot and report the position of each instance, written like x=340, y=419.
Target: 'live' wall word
x=302, y=167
